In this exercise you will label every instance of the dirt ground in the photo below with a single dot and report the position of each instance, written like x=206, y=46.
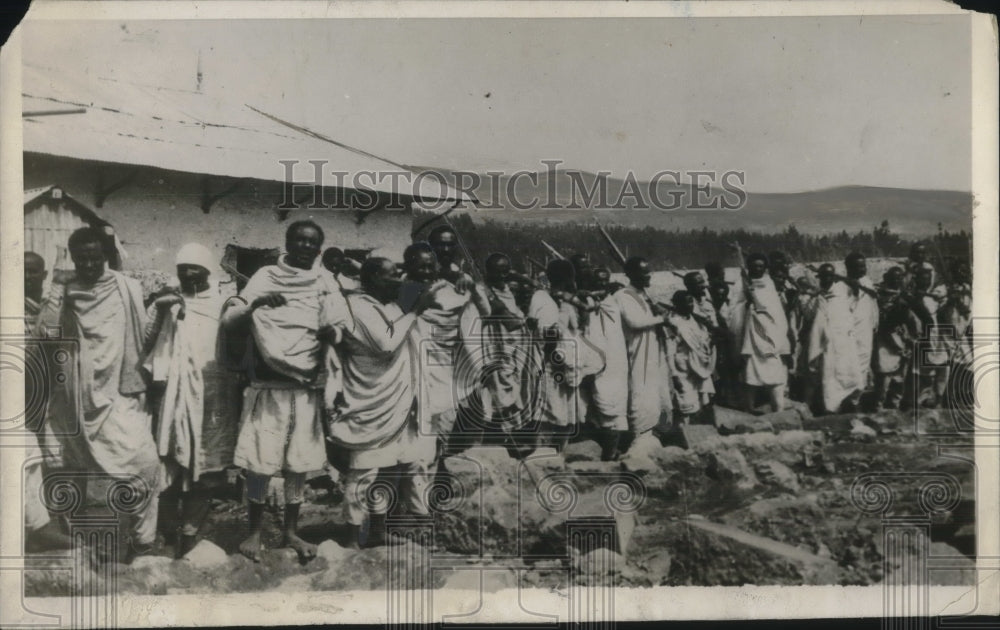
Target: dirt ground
x=768, y=504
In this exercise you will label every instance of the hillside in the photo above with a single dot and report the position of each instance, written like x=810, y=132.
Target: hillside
x=912, y=213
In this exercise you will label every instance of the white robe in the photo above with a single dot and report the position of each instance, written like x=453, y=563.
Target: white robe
x=864, y=309
x=377, y=424
x=101, y=421
x=560, y=370
x=493, y=358
x=281, y=424
x=764, y=333
x=198, y=416
x=609, y=399
x=435, y=344
x=832, y=340
x=693, y=364
x=649, y=401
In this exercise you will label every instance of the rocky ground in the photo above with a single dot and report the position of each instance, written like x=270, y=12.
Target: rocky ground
x=760, y=500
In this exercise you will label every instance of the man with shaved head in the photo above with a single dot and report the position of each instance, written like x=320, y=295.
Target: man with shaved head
x=103, y=311
x=292, y=311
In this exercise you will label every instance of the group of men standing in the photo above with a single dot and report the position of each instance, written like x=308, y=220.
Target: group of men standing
x=381, y=367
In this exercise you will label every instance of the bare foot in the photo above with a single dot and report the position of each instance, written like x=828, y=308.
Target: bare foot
x=250, y=547
x=306, y=551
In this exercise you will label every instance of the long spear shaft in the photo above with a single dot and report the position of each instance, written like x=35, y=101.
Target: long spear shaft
x=554, y=251
x=619, y=256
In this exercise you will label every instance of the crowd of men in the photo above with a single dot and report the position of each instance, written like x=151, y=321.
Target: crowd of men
x=374, y=366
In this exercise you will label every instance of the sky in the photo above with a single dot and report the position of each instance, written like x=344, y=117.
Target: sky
x=796, y=103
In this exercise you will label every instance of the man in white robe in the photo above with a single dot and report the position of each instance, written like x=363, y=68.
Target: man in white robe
x=377, y=423
x=436, y=340
x=608, y=408
x=864, y=310
x=196, y=425
x=103, y=310
x=288, y=310
x=557, y=332
x=765, y=349
x=649, y=395
x=833, y=350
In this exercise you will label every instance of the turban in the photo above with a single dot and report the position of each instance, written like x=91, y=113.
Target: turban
x=196, y=254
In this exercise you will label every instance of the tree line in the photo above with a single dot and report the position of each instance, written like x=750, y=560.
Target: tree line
x=688, y=249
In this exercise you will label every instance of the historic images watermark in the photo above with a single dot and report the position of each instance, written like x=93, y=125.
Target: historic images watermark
x=549, y=188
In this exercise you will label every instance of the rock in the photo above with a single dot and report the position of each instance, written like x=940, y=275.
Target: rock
x=206, y=555
x=657, y=564
x=150, y=575
x=638, y=458
x=782, y=507
x=333, y=553
x=730, y=422
x=814, y=569
x=380, y=568
x=730, y=466
x=776, y=474
x=280, y=556
x=883, y=424
x=601, y=561
x=785, y=420
x=786, y=447
x=834, y=423
x=801, y=408
x=638, y=463
x=695, y=437
x=582, y=451
x=861, y=431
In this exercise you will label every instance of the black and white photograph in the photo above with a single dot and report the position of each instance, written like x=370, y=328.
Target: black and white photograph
x=450, y=314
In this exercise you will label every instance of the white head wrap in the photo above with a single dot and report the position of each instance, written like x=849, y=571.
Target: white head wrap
x=196, y=254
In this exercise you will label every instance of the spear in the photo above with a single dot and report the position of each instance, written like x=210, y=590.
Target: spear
x=553, y=251
x=845, y=279
x=619, y=256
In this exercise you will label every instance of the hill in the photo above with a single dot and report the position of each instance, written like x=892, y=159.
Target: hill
x=912, y=213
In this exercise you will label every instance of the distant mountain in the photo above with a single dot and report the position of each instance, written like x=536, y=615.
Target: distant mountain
x=909, y=212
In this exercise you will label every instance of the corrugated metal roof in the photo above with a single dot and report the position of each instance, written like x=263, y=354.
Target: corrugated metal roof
x=188, y=131
x=34, y=193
